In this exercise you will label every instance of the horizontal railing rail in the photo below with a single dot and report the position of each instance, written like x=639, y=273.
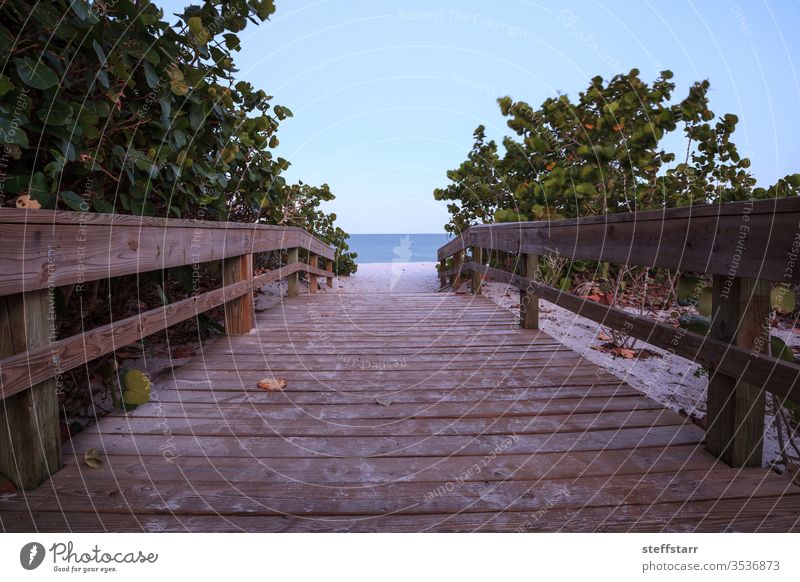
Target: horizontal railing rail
x=41, y=250
x=744, y=245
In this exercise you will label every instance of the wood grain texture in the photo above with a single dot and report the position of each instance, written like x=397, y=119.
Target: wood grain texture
x=19, y=372
x=45, y=248
x=393, y=425
x=777, y=376
x=703, y=239
x=30, y=436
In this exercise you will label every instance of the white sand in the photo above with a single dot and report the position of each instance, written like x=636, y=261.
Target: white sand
x=394, y=277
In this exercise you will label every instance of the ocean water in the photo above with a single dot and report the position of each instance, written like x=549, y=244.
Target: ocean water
x=396, y=248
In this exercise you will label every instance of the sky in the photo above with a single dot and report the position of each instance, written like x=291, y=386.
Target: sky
x=386, y=95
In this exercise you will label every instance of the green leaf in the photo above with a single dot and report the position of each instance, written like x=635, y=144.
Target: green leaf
x=12, y=135
x=196, y=117
x=73, y=200
x=137, y=388
x=59, y=113
x=779, y=349
x=5, y=85
x=102, y=206
x=150, y=75
x=35, y=73
x=782, y=299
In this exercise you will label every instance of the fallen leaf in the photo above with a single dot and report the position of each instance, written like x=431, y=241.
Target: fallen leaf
x=588, y=125
x=603, y=336
x=623, y=352
x=272, y=384
x=25, y=201
x=607, y=298
x=383, y=402
x=92, y=458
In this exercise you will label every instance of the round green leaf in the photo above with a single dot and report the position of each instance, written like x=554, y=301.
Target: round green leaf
x=35, y=73
x=782, y=299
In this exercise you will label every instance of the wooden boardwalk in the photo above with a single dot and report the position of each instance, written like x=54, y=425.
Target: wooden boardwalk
x=402, y=412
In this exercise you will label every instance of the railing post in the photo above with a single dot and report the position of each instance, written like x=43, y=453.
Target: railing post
x=312, y=277
x=458, y=260
x=329, y=268
x=528, y=302
x=477, y=277
x=293, y=256
x=442, y=269
x=240, y=316
x=735, y=410
x=30, y=435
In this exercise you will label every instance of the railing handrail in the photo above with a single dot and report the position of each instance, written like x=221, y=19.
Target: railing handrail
x=41, y=250
x=745, y=245
x=44, y=248
x=743, y=239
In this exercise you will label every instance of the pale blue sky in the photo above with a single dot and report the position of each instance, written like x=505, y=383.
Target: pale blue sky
x=386, y=94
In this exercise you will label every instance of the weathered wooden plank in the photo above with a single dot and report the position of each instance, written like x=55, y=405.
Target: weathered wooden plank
x=319, y=470
x=30, y=436
x=411, y=497
x=240, y=313
x=779, y=377
x=703, y=239
x=396, y=446
x=555, y=424
x=312, y=393
x=19, y=372
x=761, y=514
x=528, y=301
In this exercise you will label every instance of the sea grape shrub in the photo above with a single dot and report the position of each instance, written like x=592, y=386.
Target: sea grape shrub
x=603, y=153
x=108, y=107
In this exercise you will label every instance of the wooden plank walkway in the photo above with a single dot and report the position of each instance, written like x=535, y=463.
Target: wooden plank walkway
x=402, y=412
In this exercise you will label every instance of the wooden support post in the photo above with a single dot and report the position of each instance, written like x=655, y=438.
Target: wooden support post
x=735, y=410
x=240, y=315
x=329, y=267
x=30, y=435
x=528, y=302
x=293, y=257
x=477, y=278
x=458, y=260
x=442, y=269
x=312, y=278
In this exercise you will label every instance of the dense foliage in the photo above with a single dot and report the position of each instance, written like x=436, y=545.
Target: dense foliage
x=603, y=153
x=107, y=107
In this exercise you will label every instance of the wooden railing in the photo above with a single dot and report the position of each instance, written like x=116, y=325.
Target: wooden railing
x=746, y=246
x=41, y=250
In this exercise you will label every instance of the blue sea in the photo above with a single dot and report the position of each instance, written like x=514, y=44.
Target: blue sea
x=403, y=248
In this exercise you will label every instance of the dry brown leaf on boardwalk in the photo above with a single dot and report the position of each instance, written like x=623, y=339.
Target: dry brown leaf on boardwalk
x=623, y=352
x=272, y=384
x=383, y=402
x=92, y=458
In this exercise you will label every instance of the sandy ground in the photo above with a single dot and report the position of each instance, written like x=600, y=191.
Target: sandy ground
x=390, y=278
